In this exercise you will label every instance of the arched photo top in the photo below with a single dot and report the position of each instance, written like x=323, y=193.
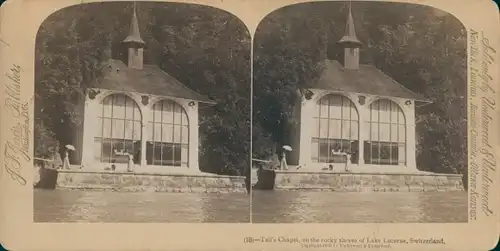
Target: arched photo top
x=194, y=54
x=114, y=12
x=331, y=9
x=414, y=54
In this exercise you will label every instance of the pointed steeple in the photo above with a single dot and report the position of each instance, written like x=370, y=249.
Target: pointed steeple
x=134, y=35
x=350, y=43
x=349, y=40
x=134, y=43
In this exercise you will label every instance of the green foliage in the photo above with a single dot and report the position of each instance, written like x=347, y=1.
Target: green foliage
x=206, y=49
x=45, y=143
x=420, y=47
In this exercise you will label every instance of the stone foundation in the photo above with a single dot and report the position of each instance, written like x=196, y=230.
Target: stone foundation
x=151, y=182
x=361, y=182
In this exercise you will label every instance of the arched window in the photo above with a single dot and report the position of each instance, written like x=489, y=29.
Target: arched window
x=336, y=127
x=118, y=131
x=386, y=144
x=168, y=135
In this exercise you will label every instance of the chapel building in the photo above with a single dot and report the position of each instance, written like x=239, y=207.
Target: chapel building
x=357, y=109
x=138, y=109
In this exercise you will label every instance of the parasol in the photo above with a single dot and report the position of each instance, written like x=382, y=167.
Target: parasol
x=70, y=147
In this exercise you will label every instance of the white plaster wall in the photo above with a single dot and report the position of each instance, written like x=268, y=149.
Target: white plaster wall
x=306, y=129
x=90, y=123
x=306, y=125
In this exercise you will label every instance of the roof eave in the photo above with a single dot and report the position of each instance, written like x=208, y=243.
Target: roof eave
x=199, y=100
x=350, y=42
x=422, y=102
x=134, y=41
x=205, y=101
x=341, y=90
x=208, y=102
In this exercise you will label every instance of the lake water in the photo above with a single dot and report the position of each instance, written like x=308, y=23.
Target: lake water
x=84, y=206
x=355, y=207
x=267, y=207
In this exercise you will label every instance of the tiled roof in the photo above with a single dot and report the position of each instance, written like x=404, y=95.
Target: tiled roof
x=149, y=80
x=367, y=79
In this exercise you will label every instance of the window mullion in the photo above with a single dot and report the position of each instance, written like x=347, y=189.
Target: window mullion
x=371, y=133
x=133, y=129
x=329, y=156
x=398, y=124
x=181, y=141
x=173, y=132
x=341, y=123
x=378, y=134
x=161, y=133
x=319, y=130
x=350, y=128
x=390, y=134
x=124, y=141
x=102, y=131
x=153, y=140
x=111, y=127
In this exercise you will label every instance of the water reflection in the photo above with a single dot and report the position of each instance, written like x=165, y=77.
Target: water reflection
x=328, y=207
x=81, y=206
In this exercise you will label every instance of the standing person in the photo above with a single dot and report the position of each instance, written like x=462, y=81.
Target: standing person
x=130, y=164
x=283, y=164
x=66, y=164
x=348, y=161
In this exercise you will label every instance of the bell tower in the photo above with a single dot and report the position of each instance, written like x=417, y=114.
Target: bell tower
x=350, y=43
x=134, y=44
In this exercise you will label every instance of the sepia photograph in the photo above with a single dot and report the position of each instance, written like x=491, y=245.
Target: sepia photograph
x=254, y=125
x=359, y=115
x=142, y=114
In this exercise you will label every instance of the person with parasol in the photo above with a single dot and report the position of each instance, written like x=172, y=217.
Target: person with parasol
x=283, y=164
x=66, y=157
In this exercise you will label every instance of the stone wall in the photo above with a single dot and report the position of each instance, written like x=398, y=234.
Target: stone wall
x=360, y=182
x=265, y=179
x=151, y=182
x=45, y=175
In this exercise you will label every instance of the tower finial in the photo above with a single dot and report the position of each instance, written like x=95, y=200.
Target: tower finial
x=135, y=9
